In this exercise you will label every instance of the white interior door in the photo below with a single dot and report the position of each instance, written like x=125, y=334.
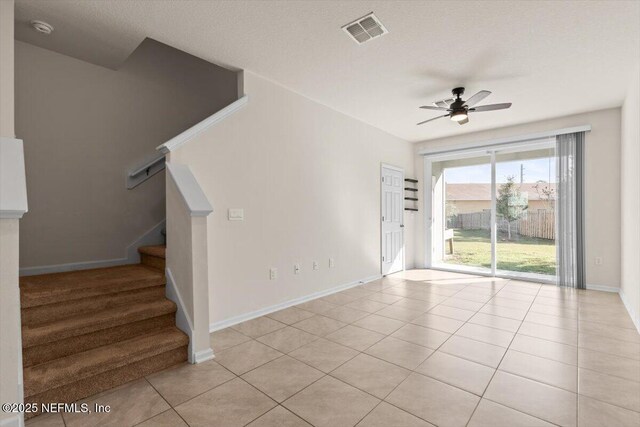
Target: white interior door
x=392, y=210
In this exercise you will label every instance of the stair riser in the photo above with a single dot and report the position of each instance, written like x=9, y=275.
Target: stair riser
x=43, y=353
x=153, y=261
x=70, y=294
x=110, y=379
x=73, y=327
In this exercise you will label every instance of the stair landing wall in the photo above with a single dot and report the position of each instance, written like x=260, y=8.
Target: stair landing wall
x=91, y=128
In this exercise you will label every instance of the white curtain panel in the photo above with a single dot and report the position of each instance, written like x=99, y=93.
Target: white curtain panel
x=570, y=210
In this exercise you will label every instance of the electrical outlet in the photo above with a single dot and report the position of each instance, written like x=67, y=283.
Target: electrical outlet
x=273, y=273
x=598, y=260
x=332, y=263
x=315, y=265
x=296, y=269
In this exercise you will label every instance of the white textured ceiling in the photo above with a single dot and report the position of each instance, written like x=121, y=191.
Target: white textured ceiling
x=548, y=58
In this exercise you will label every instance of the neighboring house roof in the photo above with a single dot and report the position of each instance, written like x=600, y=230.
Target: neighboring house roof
x=461, y=192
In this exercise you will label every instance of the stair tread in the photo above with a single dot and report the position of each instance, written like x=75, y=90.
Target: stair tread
x=57, y=287
x=56, y=349
x=69, y=369
x=86, y=278
x=157, y=251
x=94, y=321
x=33, y=316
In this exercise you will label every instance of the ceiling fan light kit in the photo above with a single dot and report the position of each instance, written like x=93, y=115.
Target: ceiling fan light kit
x=459, y=116
x=458, y=109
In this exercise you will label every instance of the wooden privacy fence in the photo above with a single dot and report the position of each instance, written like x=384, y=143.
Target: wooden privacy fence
x=539, y=224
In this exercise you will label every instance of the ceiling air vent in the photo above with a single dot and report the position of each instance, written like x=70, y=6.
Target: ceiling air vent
x=366, y=28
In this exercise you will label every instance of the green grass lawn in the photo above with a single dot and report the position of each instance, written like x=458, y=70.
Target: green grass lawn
x=525, y=254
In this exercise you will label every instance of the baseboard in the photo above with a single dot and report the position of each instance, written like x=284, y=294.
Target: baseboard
x=150, y=237
x=216, y=326
x=603, y=288
x=60, y=268
x=635, y=317
x=14, y=420
x=201, y=356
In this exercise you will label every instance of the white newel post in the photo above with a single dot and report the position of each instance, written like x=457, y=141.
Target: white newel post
x=187, y=258
x=200, y=267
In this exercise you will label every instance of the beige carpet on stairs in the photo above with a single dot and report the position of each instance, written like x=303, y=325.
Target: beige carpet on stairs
x=84, y=332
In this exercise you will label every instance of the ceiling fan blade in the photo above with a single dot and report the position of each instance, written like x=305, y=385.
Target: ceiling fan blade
x=490, y=107
x=429, y=107
x=435, y=118
x=477, y=98
x=445, y=103
x=464, y=121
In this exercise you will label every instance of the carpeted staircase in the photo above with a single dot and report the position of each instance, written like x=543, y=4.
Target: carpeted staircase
x=87, y=331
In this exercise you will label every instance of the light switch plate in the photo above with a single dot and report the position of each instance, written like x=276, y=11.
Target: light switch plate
x=236, y=214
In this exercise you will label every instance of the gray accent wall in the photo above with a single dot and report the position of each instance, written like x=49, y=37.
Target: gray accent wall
x=84, y=126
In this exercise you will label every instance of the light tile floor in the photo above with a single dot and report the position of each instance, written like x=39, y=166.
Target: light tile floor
x=419, y=348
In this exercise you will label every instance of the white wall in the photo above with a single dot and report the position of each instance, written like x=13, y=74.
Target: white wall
x=10, y=338
x=630, y=196
x=602, y=184
x=84, y=127
x=6, y=70
x=308, y=179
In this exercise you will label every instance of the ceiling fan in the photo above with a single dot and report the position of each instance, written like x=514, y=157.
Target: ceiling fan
x=458, y=109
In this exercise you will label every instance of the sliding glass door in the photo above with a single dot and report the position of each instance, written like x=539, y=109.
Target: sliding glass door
x=493, y=212
x=462, y=223
x=525, y=213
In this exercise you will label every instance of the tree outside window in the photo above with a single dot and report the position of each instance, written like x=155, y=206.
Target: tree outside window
x=511, y=204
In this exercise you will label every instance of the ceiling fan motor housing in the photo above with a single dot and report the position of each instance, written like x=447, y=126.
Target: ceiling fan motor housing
x=458, y=104
x=457, y=92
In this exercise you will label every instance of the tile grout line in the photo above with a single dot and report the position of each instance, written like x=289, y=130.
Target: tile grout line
x=265, y=394
x=434, y=351
x=515, y=333
x=502, y=358
x=325, y=374
x=435, y=379
x=199, y=394
x=350, y=385
x=407, y=323
x=577, y=393
x=329, y=374
x=171, y=408
x=429, y=348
